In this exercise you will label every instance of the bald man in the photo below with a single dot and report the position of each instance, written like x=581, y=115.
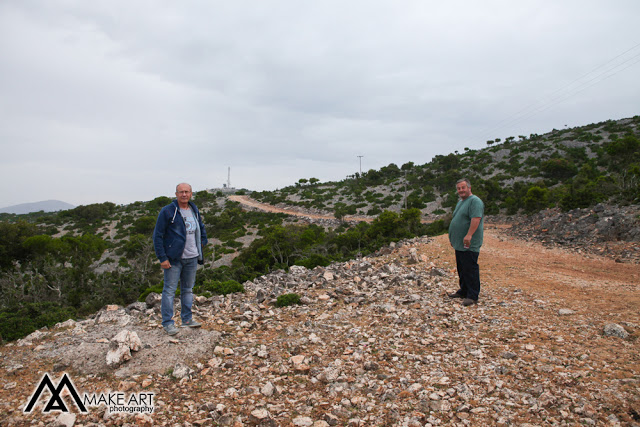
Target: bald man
x=179, y=239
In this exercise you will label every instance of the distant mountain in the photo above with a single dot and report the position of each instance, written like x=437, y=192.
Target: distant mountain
x=46, y=205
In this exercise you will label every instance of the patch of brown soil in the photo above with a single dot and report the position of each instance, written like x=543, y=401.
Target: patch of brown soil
x=247, y=201
x=582, y=283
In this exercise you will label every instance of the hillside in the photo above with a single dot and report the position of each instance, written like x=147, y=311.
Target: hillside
x=569, y=168
x=376, y=342
x=72, y=263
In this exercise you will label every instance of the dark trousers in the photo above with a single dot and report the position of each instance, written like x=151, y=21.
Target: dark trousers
x=469, y=273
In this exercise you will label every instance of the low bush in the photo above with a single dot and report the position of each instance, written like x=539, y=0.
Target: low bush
x=440, y=226
x=219, y=287
x=287, y=300
x=18, y=322
x=156, y=288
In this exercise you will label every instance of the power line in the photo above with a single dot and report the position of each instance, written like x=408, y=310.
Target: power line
x=579, y=90
x=552, y=100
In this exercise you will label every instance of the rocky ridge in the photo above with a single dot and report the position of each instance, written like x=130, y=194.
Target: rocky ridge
x=375, y=342
x=612, y=231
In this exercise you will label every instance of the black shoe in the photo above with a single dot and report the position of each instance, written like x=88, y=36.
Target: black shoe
x=456, y=294
x=468, y=301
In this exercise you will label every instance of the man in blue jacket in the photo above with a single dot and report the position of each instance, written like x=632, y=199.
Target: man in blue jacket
x=179, y=239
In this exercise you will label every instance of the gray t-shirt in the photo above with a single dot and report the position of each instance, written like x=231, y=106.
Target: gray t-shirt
x=190, y=248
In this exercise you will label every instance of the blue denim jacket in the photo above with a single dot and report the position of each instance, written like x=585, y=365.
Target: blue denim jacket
x=170, y=234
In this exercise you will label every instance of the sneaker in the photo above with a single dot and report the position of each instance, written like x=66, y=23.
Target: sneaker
x=171, y=329
x=191, y=324
x=456, y=294
x=468, y=301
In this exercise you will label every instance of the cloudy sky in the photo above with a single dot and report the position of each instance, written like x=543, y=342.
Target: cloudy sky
x=120, y=100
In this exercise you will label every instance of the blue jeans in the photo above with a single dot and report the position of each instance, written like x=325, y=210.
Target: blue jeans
x=185, y=272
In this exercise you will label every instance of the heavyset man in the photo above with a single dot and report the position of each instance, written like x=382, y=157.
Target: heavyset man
x=179, y=239
x=465, y=235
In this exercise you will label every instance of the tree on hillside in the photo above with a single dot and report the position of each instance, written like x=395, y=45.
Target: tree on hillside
x=624, y=154
x=158, y=203
x=90, y=213
x=407, y=166
x=411, y=219
x=13, y=236
x=373, y=177
x=143, y=225
x=340, y=210
x=558, y=168
x=537, y=198
x=414, y=200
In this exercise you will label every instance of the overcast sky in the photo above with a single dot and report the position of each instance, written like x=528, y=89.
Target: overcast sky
x=121, y=100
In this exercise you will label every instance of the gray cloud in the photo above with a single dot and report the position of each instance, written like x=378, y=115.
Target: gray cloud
x=120, y=100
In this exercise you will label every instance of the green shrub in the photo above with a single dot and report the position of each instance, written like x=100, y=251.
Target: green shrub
x=233, y=244
x=157, y=289
x=314, y=260
x=438, y=227
x=537, y=198
x=222, y=250
x=558, y=168
x=19, y=322
x=143, y=225
x=374, y=211
x=219, y=288
x=287, y=300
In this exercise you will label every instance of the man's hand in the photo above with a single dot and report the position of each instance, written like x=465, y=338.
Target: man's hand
x=475, y=222
x=165, y=265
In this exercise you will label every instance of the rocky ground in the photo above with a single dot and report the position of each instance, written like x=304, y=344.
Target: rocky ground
x=612, y=231
x=553, y=341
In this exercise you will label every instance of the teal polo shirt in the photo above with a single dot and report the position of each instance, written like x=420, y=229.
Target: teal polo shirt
x=471, y=207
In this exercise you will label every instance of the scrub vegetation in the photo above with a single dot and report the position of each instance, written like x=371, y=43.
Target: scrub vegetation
x=568, y=169
x=69, y=264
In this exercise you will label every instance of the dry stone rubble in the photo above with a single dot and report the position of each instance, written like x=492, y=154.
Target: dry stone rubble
x=375, y=342
x=612, y=231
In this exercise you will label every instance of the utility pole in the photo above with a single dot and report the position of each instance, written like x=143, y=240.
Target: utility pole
x=360, y=157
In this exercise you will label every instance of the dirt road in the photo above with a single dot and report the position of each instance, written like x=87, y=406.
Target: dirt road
x=583, y=283
x=587, y=284
x=247, y=201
